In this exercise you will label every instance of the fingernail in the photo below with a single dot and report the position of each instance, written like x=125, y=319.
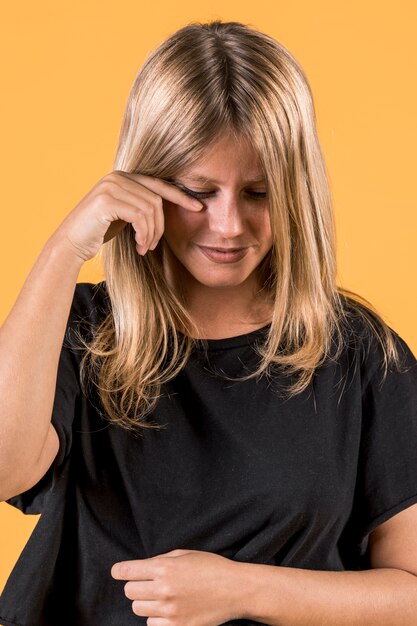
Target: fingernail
x=197, y=204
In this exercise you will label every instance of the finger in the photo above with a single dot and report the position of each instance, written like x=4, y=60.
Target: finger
x=159, y=225
x=141, y=233
x=150, y=608
x=156, y=222
x=142, y=590
x=167, y=190
x=119, y=215
x=145, y=226
x=147, y=202
x=138, y=569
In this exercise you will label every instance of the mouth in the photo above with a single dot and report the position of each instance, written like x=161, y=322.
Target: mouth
x=221, y=249
x=223, y=255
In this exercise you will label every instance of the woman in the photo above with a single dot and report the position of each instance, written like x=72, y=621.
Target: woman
x=233, y=435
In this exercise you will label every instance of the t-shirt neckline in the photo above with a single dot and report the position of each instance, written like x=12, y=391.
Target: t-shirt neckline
x=231, y=342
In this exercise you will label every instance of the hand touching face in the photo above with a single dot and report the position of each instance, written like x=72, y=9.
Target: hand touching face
x=235, y=217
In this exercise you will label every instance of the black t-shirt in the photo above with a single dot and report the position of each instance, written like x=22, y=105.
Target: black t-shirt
x=236, y=470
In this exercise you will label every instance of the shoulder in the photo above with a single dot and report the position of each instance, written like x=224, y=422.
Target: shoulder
x=89, y=298
x=90, y=304
x=378, y=348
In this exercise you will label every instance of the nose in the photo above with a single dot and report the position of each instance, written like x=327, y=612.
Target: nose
x=225, y=217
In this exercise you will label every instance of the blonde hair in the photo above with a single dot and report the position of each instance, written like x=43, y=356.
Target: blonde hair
x=204, y=80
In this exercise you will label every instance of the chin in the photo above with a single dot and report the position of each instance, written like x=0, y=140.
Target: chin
x=220, y=278
x=219, y=284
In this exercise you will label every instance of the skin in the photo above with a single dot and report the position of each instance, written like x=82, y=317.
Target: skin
x=221, y=297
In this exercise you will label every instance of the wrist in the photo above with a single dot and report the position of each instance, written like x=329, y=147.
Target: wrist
x=248, y=585
x=58, y=248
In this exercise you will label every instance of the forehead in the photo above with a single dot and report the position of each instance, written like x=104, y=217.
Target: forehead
x=227, y=158
x=200, y=178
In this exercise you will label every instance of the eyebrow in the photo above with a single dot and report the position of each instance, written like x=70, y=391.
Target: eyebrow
x=202, y=179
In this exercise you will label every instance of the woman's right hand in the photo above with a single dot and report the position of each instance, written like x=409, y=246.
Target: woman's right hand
x=117, y=199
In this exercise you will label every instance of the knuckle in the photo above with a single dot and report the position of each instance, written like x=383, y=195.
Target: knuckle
x=159, y=202
x=165, y=591
x=171, y=611
x=162, y=569
x=141, y=221
x=114, y=176
x=102, y=198
x=109, y=186
x=147, y=207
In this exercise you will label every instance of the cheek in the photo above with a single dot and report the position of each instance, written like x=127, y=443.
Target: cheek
x=175, y=217
x=178, y=222
x=264, y=227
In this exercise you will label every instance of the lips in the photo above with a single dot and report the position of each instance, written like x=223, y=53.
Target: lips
x=221, y=248
x=223, y=255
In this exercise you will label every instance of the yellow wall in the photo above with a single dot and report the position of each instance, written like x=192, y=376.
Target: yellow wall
x=67, y=67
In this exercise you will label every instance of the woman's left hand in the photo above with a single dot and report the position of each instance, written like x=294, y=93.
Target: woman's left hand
x=182, y=588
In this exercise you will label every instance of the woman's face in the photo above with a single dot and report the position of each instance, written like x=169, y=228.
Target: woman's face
x=230, y=184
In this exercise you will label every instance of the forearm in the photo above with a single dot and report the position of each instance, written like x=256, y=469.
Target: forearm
x=284, y=596
x=30, y=344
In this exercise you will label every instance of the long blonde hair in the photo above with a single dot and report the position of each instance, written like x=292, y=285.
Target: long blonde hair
x=204, y=80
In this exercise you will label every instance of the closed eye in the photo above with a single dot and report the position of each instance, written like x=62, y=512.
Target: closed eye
x=206, y=194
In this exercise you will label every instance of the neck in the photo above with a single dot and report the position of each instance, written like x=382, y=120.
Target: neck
x=220, y=311
x=228, y=307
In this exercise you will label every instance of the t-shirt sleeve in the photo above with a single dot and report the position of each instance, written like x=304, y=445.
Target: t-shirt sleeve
x=67, y=399
x=387, y=469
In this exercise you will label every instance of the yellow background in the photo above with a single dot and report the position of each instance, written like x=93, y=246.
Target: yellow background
x=67, y=67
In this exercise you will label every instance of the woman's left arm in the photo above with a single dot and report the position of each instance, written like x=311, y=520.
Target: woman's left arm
x=385, y=595
x=188, y=587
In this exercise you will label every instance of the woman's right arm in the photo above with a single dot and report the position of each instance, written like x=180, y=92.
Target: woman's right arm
x=32, y=335
x=31, y=338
